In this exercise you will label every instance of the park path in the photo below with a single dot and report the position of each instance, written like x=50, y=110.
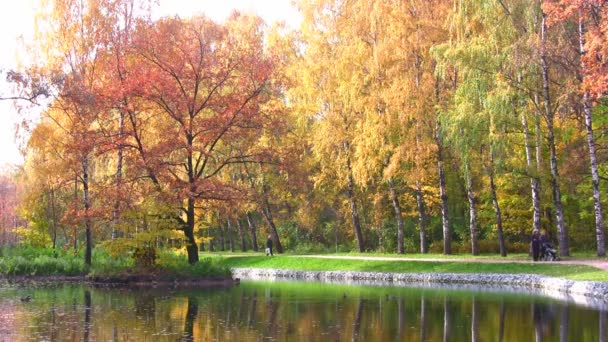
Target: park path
x=601, y=264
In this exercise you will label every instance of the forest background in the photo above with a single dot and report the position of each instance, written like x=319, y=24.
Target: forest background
x=392, y=126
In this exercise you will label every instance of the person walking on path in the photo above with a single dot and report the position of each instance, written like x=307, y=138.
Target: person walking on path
x=269, y=246
x=535, y=242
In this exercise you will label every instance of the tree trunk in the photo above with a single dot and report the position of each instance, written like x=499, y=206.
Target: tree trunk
x=253, y=230
x=242, y=235
x=501, y=239
x=595, y=178
x=220, y=232
x=421, y=217
x=230, y=235
x=191, y=246
x=53, y=216
x=398, y=217
x=116, y=211
x=534, y=181
x=273, y=229
x=447, y=234
x=557, y=201
x=87, y=207
x=353, y=203
x=75, y=244
x=472, y=210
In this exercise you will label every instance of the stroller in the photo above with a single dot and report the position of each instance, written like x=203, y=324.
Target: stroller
x=548, y=252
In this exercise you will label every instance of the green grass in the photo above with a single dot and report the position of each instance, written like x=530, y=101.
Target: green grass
x=582, y=255
x=575, y=272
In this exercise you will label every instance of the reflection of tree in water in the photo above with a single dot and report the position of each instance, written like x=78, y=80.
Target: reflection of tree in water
x=422, y=318
x=542, y=315
x=252, y=308
x=272, y=308
x=501, y=324
x=564, y=323
x=87, y=314
x=401, y=315
x=191, y=312
x=145, y=308
x=357, y=322
x=289, y=313
x=474, y=321
x=602, y=325
x=447, y=319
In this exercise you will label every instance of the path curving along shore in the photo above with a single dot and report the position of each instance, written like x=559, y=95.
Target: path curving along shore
x=587, y=293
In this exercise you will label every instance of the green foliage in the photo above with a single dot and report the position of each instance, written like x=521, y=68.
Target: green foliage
x=32, y=261
x=33, y=237
x=144, y=256
x=104, y=264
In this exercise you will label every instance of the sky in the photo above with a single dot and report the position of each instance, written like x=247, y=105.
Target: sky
x=17, y=24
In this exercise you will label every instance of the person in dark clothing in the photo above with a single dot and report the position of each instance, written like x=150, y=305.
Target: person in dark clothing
x=535, y=241
x=269, y=246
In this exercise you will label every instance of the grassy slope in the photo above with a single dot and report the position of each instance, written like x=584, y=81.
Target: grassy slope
x=576, y=272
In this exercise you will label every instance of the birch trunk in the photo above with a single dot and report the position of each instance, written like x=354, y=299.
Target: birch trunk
x=242, y=235
x=229, y=233
x=353, y=203
x=595, y=178
x=557, y=201
x=421, y=217
x=472, y=211
x=447, y=234
x=501, y=239
x=534, y=181
x=253, y=230
x=398, y=217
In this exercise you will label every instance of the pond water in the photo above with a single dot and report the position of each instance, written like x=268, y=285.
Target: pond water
x=289, y=311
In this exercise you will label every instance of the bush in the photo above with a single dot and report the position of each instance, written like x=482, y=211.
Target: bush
x=144, y=256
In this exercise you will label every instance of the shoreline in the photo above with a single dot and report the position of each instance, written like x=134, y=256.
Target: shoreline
x=122, y=281
x=587, y=293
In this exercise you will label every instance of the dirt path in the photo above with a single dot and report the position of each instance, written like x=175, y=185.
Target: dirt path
x=601, y=264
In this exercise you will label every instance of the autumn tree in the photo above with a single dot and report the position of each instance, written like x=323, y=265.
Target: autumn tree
x=590, y=18
x=203, y=94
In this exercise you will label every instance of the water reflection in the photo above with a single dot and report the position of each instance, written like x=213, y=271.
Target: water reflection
x=290, y=311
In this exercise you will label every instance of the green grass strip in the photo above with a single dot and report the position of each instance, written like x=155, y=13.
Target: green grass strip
x=575, y=272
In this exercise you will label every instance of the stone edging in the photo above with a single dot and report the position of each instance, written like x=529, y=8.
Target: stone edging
x=588, y=293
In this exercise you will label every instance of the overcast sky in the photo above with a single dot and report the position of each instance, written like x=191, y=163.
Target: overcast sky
x=17, y=22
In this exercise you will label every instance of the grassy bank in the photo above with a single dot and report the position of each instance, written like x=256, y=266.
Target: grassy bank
x=575, y=272
x=17, y=261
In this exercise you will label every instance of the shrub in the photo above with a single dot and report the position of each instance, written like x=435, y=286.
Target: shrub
x=144, y=256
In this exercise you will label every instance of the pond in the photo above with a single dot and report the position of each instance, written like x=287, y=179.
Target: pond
x=289, y=311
